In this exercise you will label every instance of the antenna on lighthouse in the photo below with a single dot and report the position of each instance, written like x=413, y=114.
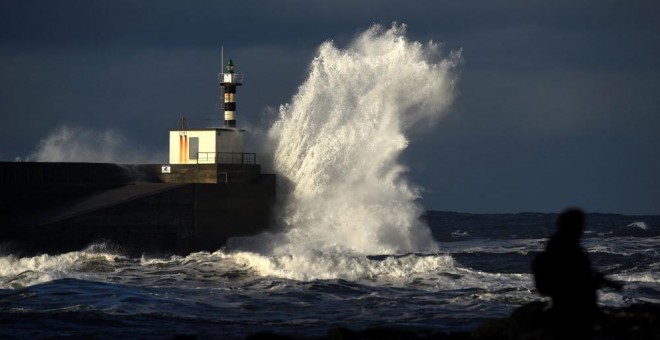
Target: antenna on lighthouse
x=228, y=82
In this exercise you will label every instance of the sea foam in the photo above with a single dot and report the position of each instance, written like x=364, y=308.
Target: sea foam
x=337, y=145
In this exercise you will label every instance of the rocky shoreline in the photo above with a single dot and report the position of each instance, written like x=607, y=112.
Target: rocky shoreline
x=530, y=321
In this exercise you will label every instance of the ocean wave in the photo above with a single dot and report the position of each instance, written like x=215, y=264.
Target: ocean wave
x=318, y=265
x=18, y=272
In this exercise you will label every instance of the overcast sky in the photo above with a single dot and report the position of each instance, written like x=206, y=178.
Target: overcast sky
x=558, y=104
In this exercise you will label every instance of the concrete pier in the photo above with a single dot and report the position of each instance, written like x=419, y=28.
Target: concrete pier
x=60, y=207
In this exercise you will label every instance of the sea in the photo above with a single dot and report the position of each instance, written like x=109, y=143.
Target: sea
x=350, y=247
x=481, y=271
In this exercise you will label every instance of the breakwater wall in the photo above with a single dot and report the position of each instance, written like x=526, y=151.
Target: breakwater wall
x=59, y=207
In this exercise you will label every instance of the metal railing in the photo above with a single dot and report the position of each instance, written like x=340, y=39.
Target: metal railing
x=228, y=78
x=226, y=158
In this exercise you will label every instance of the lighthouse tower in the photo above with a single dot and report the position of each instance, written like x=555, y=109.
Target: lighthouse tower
x=213, y=145
x=228, y=81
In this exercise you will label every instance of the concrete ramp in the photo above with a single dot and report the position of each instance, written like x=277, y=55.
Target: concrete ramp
x=60, y=207
x=158, y=219
x=101, y=200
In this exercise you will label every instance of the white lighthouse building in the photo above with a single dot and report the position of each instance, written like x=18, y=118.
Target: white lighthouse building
x=215, y=145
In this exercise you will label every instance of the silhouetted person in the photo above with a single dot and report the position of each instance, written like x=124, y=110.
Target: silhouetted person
x=564, y=273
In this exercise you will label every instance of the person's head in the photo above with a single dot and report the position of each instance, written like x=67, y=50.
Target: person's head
x=571, y=223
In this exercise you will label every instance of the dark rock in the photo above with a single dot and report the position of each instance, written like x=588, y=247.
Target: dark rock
x=530, y=321
x=533, y=321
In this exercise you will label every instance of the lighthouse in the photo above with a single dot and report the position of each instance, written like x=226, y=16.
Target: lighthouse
x=213, y=145
x=228, y=82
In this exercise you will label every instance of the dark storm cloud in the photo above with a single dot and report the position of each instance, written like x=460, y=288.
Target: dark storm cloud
x=558, y=100
x=193, y=22
x=159, y=23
